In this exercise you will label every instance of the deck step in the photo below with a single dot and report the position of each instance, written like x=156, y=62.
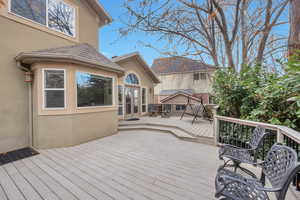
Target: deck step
x=177, y=132
x=122, y=124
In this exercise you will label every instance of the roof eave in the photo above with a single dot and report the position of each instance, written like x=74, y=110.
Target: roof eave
x=100, y=11
x=28, y=59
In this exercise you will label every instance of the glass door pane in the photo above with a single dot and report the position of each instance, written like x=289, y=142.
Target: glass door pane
x=128, y=99
x=136, y=95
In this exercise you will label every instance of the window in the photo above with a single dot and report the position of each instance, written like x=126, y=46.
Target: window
x=180, y=107
x=196, y=76
x=203, y=76
x=61, y=17
x=54, y=14
x=33, y=10
x=144, y=100
x=93, y=90
x=132, y=79
x=120, y=99
x=54, y=88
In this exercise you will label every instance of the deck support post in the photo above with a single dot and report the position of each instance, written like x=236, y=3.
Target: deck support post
x=216, y=130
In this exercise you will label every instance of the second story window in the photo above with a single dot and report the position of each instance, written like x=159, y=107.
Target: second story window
x=54, y=14
x=203, y=76
x=196, y=76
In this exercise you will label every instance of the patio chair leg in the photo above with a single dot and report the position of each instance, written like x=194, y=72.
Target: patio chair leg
x=263, y=178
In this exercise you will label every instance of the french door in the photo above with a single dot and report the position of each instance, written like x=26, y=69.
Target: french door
x=132, y=102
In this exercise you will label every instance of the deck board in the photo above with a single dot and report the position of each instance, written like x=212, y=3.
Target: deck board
x=7, y=183
x=52, y=184
x=45, y=192
x=131, y=165
x=26, y=189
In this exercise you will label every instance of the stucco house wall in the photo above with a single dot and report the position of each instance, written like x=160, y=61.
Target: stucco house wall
x=18, y=35
x=72, y=125
x=132, y=66
x=184, y=81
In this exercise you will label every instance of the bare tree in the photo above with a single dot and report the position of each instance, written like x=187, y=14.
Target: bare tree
x=61, y=17
x=230, y=33
x=294, y=37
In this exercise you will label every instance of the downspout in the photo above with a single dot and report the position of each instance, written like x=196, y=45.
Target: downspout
x=30, y=107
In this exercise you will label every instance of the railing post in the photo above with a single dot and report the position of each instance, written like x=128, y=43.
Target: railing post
x=279, y=136
x=216, y=130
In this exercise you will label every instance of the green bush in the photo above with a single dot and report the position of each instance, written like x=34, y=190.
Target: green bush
x=258, y=95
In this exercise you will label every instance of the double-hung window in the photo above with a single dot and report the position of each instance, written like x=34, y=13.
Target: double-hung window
x=144, y=100
x=55, y=14
x=54, y=88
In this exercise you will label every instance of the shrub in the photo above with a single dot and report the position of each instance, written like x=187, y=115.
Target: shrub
x=258, y=95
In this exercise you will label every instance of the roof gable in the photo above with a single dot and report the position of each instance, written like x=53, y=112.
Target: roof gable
x=180, y=94
x=140, y=59
x=171, y=92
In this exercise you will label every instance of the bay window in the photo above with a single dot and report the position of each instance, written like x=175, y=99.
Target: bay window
x=93, y=90
x=54, y=88
x=55, y=14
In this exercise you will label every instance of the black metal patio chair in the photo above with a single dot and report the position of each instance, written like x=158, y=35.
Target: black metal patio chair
x=280, y=166
x=233, y=156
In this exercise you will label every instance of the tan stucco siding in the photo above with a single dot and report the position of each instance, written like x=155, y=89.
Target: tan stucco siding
x=17, y=37
x=72, y=125
x=184, y=81
x=86, y=23
x=69, y=130
x=132, y=66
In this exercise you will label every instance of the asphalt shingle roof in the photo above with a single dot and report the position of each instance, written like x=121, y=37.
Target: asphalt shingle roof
x=178, y=64
x=83, y=54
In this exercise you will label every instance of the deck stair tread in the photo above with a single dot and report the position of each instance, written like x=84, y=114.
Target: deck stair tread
x=176, y=131
x=201, y=127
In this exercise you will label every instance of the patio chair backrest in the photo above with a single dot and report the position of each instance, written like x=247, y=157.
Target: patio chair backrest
x=257, y=137
x=280, y=166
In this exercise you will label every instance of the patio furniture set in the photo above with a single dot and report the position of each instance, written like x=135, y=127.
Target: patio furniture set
x=194, y=110
x=279, y=168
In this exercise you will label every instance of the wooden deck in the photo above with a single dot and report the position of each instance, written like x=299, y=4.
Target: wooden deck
x=202, y=128
x=140, y=165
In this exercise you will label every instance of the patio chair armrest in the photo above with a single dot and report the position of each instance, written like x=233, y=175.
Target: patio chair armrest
x=228, y=150
x=265, y=189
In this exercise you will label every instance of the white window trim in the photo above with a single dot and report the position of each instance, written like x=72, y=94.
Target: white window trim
x=146, y=99
x=93, y=107
x=56, y=89
x=130, y=84
x=47, y=18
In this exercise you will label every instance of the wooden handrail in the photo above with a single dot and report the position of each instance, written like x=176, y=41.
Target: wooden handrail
x=281, y=130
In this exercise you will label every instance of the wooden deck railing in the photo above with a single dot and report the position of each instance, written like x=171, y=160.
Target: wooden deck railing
x=241, y=130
